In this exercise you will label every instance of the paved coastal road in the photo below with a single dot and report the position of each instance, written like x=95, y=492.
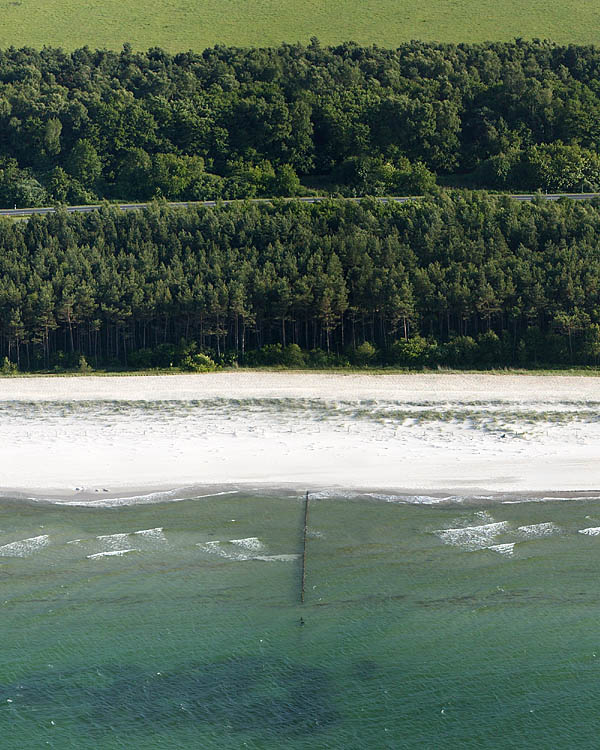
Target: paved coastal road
x=138, y=206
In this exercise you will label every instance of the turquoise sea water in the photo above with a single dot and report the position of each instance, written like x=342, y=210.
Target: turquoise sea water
x=416, y=634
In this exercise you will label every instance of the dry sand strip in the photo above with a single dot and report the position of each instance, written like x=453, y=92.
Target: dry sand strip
x=146, y=446
x=351, y=386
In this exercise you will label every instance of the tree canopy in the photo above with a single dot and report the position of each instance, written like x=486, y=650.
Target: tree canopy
x=236, y=123
x=465, y=279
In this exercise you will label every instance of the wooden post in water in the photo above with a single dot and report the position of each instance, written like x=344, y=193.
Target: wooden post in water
x=304, y=548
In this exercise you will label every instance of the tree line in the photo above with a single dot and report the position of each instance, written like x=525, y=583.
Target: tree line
x=462, y=278
x=236, y=123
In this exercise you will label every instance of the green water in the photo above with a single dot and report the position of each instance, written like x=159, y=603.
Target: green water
x=408, y=641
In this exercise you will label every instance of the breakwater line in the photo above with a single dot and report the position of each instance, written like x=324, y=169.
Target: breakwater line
x=305, y=534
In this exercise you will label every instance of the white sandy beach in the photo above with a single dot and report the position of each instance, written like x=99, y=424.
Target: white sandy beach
x=417, y=433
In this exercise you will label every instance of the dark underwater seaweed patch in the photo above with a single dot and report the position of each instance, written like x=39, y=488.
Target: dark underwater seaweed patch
x=246, y=694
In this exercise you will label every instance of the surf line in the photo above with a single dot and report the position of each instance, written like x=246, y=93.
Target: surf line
x=304, y=551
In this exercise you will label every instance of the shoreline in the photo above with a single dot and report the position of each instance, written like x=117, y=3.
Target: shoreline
x=127, y=496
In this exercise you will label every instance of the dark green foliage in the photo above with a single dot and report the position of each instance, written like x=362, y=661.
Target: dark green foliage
x=364, y=354
x=366, y=175
x=413, y=352
x=8, y=367
x=198, y=362
x=18, y=187
x=462, y=279
x=238, y=123
x=551, y=167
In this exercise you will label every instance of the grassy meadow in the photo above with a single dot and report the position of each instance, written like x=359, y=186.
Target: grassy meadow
x=195, y=24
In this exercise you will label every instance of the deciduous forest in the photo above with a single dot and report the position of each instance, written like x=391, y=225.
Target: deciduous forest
x=236, y=123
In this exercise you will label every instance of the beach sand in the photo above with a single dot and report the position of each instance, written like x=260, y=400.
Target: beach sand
x=470, y=434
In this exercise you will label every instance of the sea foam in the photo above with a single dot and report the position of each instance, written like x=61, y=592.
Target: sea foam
x=550, y=499
x=503, y=549
x=241, y=550
x=250, y=543
x=24, y=547
x=472, y=537
x=413, y=499
x=152, y=497
x=156, y=535
x=111, y=553
x=591, y=531
x=537, y=530
x=216, y=548
x=113, y=541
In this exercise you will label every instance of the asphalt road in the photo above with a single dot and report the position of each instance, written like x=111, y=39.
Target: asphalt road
x=137, y=206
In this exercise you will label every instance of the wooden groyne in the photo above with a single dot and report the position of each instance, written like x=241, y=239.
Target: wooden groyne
x=304, y=549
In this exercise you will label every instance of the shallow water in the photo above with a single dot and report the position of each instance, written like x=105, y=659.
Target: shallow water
x=176, y=624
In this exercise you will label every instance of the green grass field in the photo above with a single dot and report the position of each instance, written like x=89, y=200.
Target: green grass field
x=195, y=24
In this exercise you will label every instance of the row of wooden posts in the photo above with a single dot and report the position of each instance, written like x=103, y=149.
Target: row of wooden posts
x=304, y=549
